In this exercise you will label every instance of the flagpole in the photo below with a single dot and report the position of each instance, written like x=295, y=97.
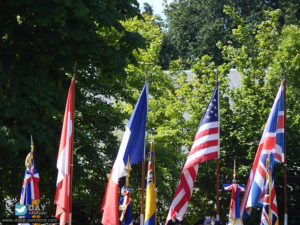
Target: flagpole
x=143, y=173
x=154, y=174
x=285, y=161
x=268, y=177
x=127, y=175
x=71, y=163
x=218, y=162
x=142, y=194
x=217, y=189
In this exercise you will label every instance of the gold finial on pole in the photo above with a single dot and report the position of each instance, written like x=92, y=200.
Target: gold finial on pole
x=234, y=172
x=29, y=157
x=127, y=172
x=127, y=175
x=268, y=162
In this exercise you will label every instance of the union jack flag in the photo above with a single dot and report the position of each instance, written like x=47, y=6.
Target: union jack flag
x=30, y=194
x=272, y=143
x=235, y=189
x=273, y=219
x=205, y=147
x=126, y=215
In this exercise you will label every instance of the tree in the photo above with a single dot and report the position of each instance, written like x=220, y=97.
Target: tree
x=40, y=44
x=177, y=102
x=108, y=46
x=176, y=105
x=263, y=60
x=148, y=9
x=195, y=27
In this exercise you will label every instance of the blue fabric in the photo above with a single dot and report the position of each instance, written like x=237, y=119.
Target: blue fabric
x=211, y=112
x=135, y=148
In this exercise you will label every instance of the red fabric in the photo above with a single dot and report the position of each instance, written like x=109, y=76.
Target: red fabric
x=62, y=200
x=63, y=189
x=109, y=206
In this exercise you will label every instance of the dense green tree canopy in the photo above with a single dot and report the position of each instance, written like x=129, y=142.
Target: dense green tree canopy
x=195, y=27
x=264, y=61
x=115, y=50
x=264, y=56
x=40, y=43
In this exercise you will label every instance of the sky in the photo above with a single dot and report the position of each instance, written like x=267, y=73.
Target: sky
x=157, y=6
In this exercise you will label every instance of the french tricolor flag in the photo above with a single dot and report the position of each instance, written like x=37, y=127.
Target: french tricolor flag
x=132, y=147
x=64, y=159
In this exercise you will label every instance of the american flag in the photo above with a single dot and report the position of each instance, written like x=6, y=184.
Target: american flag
x=205, y=147
x=273, y=220
x=272, y=143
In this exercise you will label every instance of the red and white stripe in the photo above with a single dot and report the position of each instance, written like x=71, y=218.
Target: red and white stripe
x=63, y=192
x=205, y=147
x=279, y=151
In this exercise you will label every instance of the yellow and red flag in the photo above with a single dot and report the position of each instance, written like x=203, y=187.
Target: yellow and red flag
x=150, y=212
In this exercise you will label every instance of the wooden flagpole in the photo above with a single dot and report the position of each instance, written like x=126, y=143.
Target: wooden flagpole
x=143, y=175
x=217, y=189
x=71, y=162
x=142, y=193
x=285, y=161
x=218, y=161
x=154, y=174
x=268, y=177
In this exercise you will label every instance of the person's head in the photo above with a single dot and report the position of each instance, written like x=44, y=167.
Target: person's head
x=200, y=222
x=173, y=222
x=212, y=221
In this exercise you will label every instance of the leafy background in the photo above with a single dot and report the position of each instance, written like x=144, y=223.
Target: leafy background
x=114, y=47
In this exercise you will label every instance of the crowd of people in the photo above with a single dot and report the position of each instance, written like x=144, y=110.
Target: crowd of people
x=207, y=221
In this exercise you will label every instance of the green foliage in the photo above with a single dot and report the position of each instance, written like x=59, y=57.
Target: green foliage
x=178, y=100
x=116, y=50
x=195, y=27
x=176, y=104
x=264, y=58
x=38, y=48
x=168, y=53
x=148, y=9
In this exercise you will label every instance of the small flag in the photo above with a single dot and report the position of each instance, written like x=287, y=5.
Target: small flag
x=64, y=158
x=126, y=215
x=234, y=213
x=205, y=147
x=150, y=212
x=132, y=146
x=272, y=143
x=270, y=202
x=30, y=194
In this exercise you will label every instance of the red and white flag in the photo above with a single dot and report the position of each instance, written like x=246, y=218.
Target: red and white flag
x=205, y=147
x=64, y=159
